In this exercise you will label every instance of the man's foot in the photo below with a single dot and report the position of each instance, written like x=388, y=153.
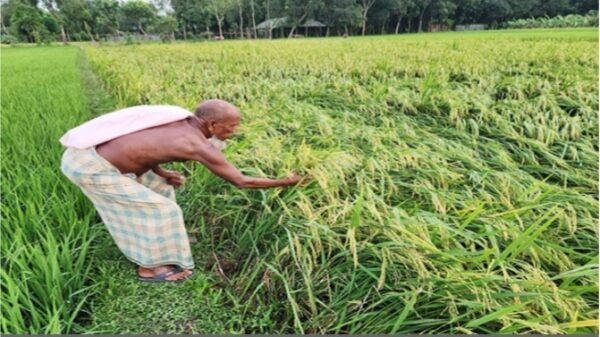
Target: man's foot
x=163, y=274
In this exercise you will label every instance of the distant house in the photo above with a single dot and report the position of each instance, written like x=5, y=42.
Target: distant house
x=439, y=27
x=471, y=27
x=280, y=27
x=123, y=36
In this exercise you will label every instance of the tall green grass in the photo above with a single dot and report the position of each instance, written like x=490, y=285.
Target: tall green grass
x=454, y=177
x=47, y=225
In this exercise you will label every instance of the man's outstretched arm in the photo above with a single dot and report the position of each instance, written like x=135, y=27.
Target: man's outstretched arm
x=217, y=164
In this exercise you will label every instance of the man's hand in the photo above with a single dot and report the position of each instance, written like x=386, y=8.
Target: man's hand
x=174, y=178
x=296, y=179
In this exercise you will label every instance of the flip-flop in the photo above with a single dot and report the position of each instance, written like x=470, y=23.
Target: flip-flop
x=162, y=277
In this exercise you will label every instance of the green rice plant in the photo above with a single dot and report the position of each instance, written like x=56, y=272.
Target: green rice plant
x=47, y=230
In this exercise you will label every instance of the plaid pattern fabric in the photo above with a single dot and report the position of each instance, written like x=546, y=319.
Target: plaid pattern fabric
x=140, y=213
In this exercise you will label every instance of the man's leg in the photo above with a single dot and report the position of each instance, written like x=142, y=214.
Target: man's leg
x=146, y=226
x=159, y=185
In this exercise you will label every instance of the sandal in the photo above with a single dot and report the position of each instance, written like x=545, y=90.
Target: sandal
x=162, y=277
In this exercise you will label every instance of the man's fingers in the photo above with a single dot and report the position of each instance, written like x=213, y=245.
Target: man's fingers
x=171, y=174
x=297, y=179
x=176, y=181
x=305, y=180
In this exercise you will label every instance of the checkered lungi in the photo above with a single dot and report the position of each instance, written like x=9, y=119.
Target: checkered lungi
x=140, y=213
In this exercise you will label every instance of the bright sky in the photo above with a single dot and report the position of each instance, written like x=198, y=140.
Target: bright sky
x=164, y=6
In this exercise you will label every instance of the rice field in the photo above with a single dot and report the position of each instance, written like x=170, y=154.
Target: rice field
x=48, y=227
x=455, y=183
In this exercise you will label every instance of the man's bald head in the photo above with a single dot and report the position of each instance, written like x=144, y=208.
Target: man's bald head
x=217, y=110
x=219, y=117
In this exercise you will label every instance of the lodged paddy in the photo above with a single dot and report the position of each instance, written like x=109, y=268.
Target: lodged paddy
x=455, y=176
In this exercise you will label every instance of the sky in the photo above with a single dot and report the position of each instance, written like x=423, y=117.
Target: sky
x=163, y=6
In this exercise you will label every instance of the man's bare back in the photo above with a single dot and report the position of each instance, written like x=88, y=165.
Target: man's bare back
x=144, y=150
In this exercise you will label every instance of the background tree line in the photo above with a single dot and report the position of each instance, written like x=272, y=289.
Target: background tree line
x=91, y=20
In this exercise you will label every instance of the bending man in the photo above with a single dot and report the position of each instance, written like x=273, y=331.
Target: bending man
x=115, y=160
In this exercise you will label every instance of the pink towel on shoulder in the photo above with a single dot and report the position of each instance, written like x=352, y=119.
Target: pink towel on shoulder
x=121, y=122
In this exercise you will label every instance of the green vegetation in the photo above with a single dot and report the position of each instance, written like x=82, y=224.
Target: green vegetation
x=200, y=305
x=455, y=184
x=455, y=181
x=589, y=20
x=47, y=224
x=97, y=20
x=58, y=260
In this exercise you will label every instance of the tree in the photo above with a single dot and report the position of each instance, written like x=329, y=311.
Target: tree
x=76, y=18
x=240, y=8
x=6, y=11
x=412, y=13
x=400, y=8
x=166, y=26
x=442, y=11
x=136, y=14
x=340, y=13
x=27, y=22
x=495, y=10
x=219, y=8
x=468, y=11
x=555, y=7
x=51, y=25
x=254, y=32
x=52, y=7
x=365, y=5
x=379, y=15
x=522, y=8
x=423, y=5
x=90, y=19
x=297, y=11
x=271, y=9
x=268, y=19
x=584, y=6
x=186, y=14
x=104, y=15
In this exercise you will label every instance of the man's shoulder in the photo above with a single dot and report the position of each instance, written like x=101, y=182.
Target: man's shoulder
x=198, y=148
